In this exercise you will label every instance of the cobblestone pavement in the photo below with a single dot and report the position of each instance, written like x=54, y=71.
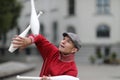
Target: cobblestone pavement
x=86, y=71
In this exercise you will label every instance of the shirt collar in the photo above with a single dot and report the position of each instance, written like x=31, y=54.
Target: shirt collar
x=66, y=58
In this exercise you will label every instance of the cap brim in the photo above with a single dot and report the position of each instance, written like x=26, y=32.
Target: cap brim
x=65, y=34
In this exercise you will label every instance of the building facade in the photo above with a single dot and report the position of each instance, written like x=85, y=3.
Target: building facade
x=97, y=22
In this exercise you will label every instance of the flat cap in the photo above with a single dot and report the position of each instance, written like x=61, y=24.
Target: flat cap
x=75, y=39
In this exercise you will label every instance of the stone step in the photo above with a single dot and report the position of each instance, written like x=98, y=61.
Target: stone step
x=11, y=68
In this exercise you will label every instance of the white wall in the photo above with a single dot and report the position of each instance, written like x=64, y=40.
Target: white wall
x=85, y=21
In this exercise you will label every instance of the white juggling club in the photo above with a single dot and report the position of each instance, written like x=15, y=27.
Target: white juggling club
x=61, y=77
x=23, y=34
x=34, y=22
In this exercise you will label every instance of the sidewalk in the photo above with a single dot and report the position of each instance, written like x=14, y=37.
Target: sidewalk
x=86, y=71
x=99, y=72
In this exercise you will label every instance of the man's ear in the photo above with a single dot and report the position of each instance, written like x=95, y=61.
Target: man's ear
x=74, y=50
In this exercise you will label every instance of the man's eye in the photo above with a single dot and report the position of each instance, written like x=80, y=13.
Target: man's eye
x=68, y=41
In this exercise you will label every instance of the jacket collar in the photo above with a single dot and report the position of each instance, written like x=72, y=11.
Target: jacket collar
x=67, y=58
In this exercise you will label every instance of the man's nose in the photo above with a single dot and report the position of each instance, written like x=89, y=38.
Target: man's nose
x=63, y=41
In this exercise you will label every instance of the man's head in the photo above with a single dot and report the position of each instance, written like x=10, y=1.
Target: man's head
x=70, y=43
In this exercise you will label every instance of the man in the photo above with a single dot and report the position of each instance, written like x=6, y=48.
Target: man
x=57, y=61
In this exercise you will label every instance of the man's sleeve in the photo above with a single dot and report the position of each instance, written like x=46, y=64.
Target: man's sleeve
x=45, y=48
x=71, y=73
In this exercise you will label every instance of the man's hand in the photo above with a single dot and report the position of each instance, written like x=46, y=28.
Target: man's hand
x=20, y=42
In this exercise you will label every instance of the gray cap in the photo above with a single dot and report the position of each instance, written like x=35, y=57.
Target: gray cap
x=74, y=37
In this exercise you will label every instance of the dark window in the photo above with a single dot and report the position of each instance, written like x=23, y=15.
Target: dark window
x=55, y=30
x=103, y=31
x=71, y=7
x=71, y=29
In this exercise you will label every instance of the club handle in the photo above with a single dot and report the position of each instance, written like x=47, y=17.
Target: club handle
x=28, y=77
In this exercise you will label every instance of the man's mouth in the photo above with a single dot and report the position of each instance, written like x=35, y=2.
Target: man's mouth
x=62, y=46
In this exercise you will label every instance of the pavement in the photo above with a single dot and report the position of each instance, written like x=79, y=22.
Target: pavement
x=87, y=71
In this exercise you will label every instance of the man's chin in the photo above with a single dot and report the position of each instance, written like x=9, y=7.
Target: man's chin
x=61, y=50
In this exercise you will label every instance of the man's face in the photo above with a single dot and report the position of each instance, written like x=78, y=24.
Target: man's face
x=66, y=46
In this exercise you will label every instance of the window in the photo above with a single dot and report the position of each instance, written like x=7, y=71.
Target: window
x=71, y=29
x=107, y=51
x=98, y=52
x=103, y=31
x=55, y=30
x=71, y=7
x=42, y=29
x=103, y=6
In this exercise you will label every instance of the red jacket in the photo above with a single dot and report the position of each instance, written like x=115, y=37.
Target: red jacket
x=54, y=62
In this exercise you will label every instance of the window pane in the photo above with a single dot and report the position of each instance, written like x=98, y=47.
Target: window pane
x=106, y=2
x=99, y=2
x=106, y=9
x=103, y=31
x=106, y=6
x=99, y=6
